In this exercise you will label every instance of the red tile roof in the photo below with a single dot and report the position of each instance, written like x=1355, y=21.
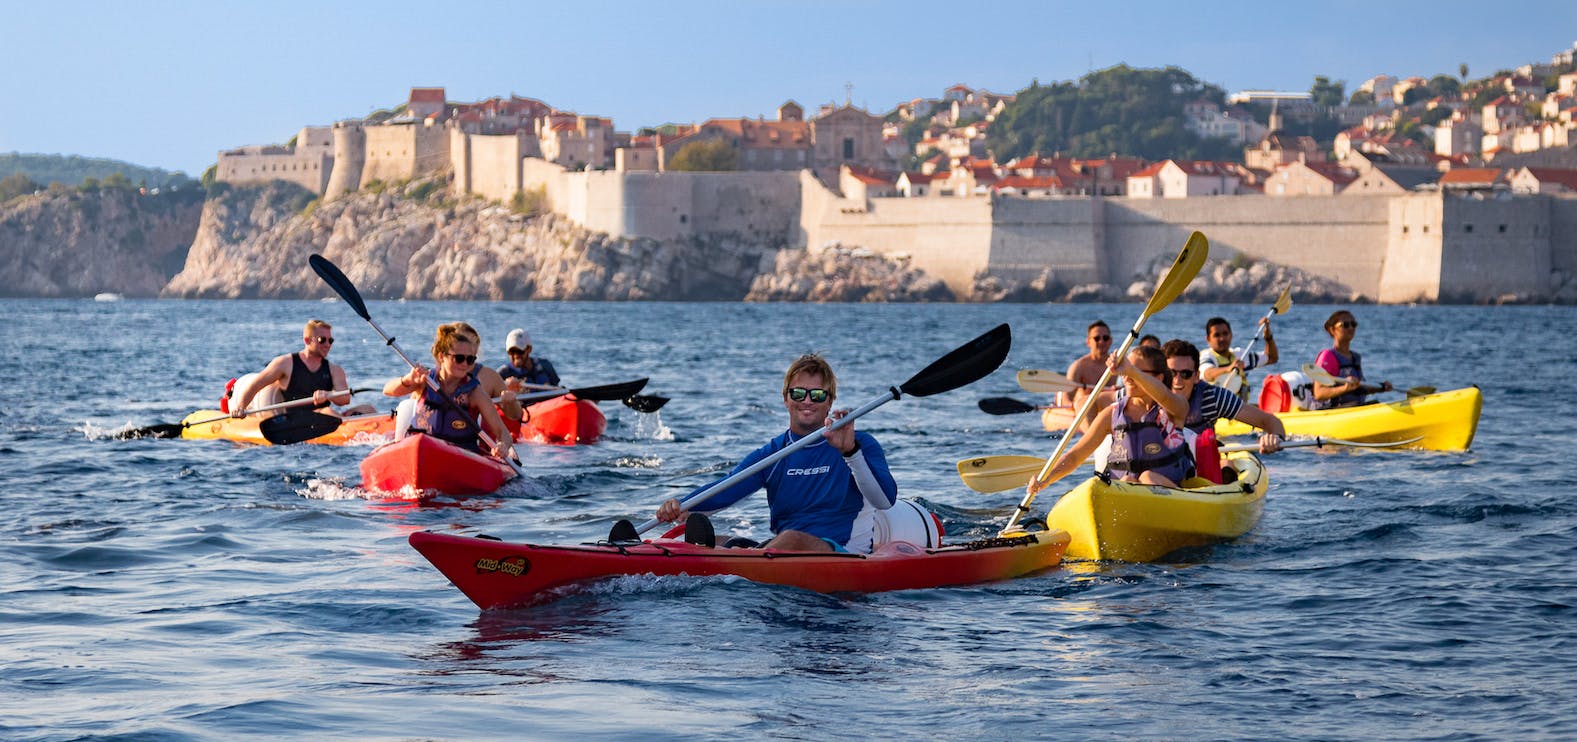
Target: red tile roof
x=427, y=95
x=1566, y=178
x=1485, y=175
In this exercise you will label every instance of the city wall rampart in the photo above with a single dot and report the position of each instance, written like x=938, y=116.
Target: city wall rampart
x=405, y=151
x=946, y=237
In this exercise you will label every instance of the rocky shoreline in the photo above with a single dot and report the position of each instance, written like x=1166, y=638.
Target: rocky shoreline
x=417, y=242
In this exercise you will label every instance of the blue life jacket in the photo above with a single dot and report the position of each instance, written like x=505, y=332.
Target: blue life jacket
x=436, y=418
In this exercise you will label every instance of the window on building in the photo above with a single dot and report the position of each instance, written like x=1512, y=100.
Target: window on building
x=1468, y=228
x=1502, y=229
x=848, y=148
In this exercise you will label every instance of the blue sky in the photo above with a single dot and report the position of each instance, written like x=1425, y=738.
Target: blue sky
x=169, y=84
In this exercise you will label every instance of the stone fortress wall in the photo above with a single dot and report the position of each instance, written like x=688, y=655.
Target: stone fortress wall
x=307, y=163
x=1390, y=248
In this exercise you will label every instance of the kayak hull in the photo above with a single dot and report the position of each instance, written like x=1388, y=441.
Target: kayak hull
x=496, y=574
x=352, y=430
x=563, y=420
x=1446, y=421
x=422, y=462
x=1057, y=419
x=1131, y=522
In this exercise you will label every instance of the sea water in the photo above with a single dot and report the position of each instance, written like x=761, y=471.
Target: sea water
x=175, y=589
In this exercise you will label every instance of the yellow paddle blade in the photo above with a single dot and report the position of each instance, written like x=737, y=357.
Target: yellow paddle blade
x=1283, y=302
x=1045, y=382
x=1182, y=273
x=998, y=473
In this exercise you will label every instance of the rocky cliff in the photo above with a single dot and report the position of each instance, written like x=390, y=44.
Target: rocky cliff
x=74, y=243
x=416, y=243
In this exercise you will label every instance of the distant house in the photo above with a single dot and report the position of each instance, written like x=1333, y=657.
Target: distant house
x=1385, y=178
x=425, y=102
x=1454, y=138
x=860, y=183
x=1030, y=186
x=1309, y=179
x=1184, y=179
x=1460, y=179
x=913, y=185
x=759, y=144
x=1543, y=180
x=1278, y=148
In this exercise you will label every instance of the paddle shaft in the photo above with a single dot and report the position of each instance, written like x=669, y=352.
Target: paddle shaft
x=820, y=434
x=303, y=402
x=1318, y=442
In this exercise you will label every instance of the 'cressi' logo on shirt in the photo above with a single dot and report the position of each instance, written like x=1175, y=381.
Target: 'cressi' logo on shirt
x=807, y=472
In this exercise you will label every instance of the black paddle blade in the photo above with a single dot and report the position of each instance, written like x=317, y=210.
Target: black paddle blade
x=296, y=427
x=1005, y=406
x=645, y=402
x=623, y=531
x=609, y=392
x=965, y=364
x=335, y=278
x=167, y=430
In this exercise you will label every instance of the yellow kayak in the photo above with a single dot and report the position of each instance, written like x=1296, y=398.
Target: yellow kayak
x=245, y=429
x=1445, y=420
x=1131, y=522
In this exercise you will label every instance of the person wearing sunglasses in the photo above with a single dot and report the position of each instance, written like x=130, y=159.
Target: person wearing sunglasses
x=1222, y=361
x=823, y=496
x=529, y=369
x=1344, y=363
x=1146, y=446
x=305, y=373
x=457, y=411
x=1208, y=403
x=1086, y=370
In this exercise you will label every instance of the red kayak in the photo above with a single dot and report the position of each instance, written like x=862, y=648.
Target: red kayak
x=494, y=574
x=559, y=420
x=423, y=462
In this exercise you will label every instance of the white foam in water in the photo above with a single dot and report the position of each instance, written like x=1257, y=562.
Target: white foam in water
x=649, y=426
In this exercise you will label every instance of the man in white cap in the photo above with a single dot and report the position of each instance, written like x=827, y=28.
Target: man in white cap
x=523, y=366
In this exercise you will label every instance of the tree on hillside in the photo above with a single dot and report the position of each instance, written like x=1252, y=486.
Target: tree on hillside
x=1462, y=71
x=1362, y=98
x=1136, y=112
x=707, y=156
x=1444, y=86
x=16, y=184
x=1327, y=94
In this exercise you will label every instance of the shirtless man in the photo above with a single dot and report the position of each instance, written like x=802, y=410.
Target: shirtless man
x=1087, y=369
x=305, y=373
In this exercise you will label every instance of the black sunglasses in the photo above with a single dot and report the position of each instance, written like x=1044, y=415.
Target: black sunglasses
x=1103, y=338
x=324, y=341
x=1350, y=325
x=1183, y=373
x=462, y=359
x=799, y=393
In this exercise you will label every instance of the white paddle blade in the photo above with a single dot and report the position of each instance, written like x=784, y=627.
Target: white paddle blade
x=1045, y=382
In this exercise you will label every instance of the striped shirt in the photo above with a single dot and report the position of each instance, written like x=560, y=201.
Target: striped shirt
x=1211, y=403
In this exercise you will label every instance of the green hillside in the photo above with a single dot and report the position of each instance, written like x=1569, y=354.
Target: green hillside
x=72, y=170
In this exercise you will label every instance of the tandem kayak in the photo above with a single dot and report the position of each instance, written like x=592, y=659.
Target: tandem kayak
x=422, y=462
x=1445, y=421
x=1057, y=419
x=496, y=574
x=356, y=429
x=560, y=420
x=1131, y=522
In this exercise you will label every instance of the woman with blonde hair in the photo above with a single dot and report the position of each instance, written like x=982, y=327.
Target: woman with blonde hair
x=458, y=409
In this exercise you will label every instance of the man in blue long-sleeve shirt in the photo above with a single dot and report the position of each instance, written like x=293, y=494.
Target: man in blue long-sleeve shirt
x=821, y=496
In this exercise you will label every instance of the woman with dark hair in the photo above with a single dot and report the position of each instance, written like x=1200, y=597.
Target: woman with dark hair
x=1344, y=363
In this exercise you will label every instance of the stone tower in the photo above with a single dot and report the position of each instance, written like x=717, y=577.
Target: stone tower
x=350, y=154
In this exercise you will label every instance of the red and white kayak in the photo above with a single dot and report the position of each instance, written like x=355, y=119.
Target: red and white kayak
x=423, y=462
x=562, y=419
x=495, y=574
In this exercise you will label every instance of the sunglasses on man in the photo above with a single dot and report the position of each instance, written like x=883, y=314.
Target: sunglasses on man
x=799, y=393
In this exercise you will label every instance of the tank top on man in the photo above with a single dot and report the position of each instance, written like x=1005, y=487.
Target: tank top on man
x=303, y=382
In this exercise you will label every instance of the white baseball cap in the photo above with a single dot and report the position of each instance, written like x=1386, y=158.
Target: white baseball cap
x=517, y=339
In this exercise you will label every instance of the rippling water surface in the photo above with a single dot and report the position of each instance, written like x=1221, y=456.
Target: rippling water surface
x=173, y=589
